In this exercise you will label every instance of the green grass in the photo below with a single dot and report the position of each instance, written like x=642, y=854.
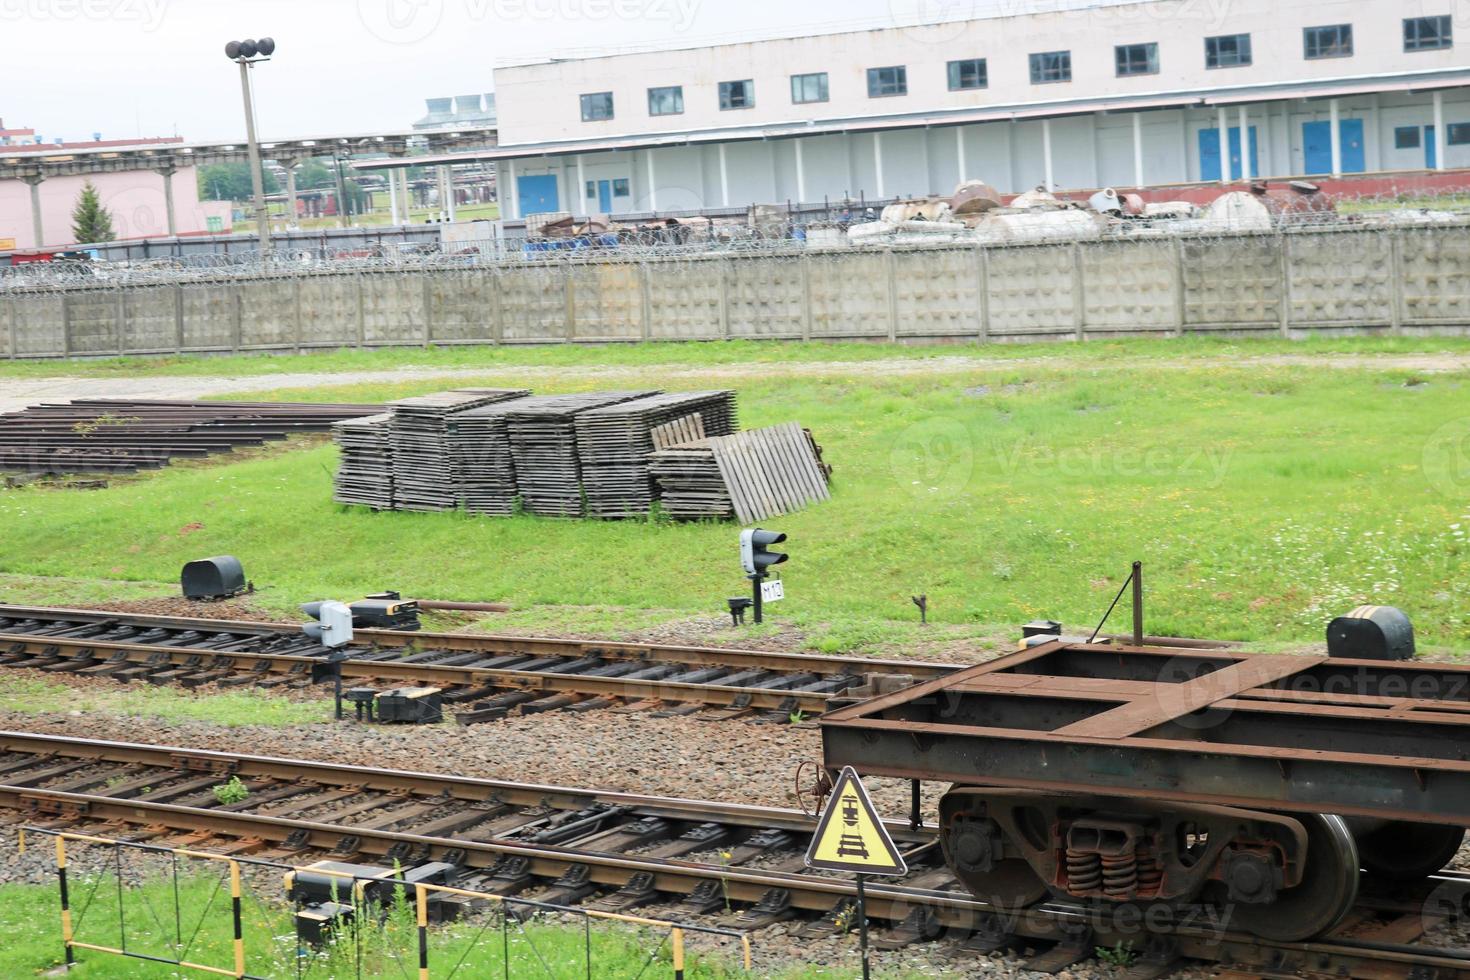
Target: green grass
x=1264, y=501
x=29, y=695
x=734, y=353
x=29, y=920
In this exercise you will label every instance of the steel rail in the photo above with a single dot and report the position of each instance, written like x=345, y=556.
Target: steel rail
x=507, y=644
x=420, y=674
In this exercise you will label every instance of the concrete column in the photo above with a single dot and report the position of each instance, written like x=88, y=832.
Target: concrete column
x=394, y=217
x=36, y=229
x=167, y=173
x=291, y=219
x=1245, y=145
x=1049, y=182
x=959, y=146
x=407, y=196
x=724, y=178
x=880, y=190
x=1222, y=125
x=509, y=193
x=581, y=188
x=800, y=173
x=1138, y=149
x=1441, y=142
x=1336, y=137
x=652, y=181
x=1375, y=136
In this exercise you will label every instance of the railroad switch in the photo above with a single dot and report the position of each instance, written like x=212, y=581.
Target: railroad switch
x=315, y=891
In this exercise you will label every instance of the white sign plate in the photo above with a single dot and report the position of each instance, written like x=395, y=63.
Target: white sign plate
x=772, y=591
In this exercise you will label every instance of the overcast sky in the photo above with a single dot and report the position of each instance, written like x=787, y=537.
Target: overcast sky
x=128, y=68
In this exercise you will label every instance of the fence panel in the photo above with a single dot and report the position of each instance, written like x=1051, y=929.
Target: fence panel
x=328, y=310
x=849, y=295
x=937, y=293
x=685, y=297
x=1232, y=284
x=1130, y=288
x=767, y=298
x=1340, y=279
x=150, y=320
x=1032, y=293
x=211, y=313
x=1434, y=267
x=394, y=309
x=607, y=301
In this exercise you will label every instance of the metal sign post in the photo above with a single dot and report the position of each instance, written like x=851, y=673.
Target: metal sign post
x=851, y=837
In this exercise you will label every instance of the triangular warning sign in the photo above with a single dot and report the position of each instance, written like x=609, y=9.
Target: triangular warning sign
x=850, y=837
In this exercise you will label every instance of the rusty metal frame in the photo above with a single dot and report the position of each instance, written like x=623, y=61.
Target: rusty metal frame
x=1298, y=733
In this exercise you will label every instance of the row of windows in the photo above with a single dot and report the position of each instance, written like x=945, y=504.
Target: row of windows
x=1223, y=51
x=1408, y=137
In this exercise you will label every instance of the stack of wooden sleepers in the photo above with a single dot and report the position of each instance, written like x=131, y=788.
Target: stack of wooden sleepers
x=424, y=476
x=105, y=435
x=543, y=443
x=365, y=475
x=613, y=444
x=750, y=475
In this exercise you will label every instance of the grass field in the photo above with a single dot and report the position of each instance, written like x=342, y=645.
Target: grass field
x=1016, y=484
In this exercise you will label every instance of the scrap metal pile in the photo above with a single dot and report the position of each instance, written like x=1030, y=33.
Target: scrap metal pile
x=121, y=436
x=599, y=454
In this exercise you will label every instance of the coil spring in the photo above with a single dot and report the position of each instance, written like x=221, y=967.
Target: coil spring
x=1120, y=874
x=1084, y=871
x=1150, y=874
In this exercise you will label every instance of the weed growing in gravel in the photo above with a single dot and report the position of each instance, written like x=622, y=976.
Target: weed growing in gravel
x=232, y=792
x=1121, y=955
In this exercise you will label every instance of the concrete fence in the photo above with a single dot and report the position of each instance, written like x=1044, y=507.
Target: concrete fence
x=1312, y=281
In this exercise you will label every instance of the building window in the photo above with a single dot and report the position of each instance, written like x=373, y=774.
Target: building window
x=598, y=105
x=666, y=101
x=888, y=81
x=1457, y=134
x=968, y=74
x=591, y=190
x=1051, y=66
x=620, y=188
x=1427, y=33
x=809, y=88
x=737, y=95
x=1228, y=51
x=1335, y=41
x=1406, y=138
x=1137, y=59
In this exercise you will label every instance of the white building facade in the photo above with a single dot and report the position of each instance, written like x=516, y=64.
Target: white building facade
x=1132, y=95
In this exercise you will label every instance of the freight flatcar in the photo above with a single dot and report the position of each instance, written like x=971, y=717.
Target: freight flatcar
x=1274, y=786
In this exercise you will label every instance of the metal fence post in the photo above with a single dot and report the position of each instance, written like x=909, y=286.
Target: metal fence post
x=237, y=916
x=421, y=899
x=66, y=934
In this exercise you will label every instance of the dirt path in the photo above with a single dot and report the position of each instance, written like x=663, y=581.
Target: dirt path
x=16, y=394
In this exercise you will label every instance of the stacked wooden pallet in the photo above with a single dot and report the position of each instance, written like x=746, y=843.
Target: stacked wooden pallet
x=543, y=443
x=365, y=475
x=613, y=444
x=424, y=477
x=480, y=442
x=750, y=476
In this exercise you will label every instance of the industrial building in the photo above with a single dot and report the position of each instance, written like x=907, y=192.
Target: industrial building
x=1104, y=95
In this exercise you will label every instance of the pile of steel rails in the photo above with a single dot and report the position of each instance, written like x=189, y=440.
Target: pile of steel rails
x=121, y=436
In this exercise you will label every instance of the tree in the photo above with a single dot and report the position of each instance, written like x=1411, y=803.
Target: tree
x=314, y=175
x=90, y=221
x=231, y=182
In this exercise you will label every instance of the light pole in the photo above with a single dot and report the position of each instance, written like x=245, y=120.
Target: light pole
x=246, y=53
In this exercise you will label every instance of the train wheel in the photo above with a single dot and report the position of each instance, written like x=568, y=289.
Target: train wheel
x=972, y=848
x=1327, y=891
x=1402, y=851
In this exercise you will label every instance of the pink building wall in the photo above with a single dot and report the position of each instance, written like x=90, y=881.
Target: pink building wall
x=135, y=198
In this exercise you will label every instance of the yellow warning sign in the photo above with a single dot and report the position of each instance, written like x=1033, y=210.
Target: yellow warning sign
x=850, y=836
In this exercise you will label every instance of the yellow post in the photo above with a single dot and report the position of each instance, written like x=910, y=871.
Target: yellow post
x=235, y=903
x=66, y=934
x=678, y=953
x=421, y=899
x=745, y=942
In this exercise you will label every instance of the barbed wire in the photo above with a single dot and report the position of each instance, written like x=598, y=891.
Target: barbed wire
x=773, y=233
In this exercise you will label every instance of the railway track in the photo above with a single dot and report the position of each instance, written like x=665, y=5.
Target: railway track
x=484, y=678
x=618, y=851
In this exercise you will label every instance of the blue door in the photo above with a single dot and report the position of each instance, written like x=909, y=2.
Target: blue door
x=1209, y=154
x=537, y=194
x=604, y=196
x=1317, y=146
x=1431, y=149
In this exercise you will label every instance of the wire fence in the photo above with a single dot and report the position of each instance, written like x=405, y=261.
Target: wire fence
x=776, y=233
x=249, y=918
